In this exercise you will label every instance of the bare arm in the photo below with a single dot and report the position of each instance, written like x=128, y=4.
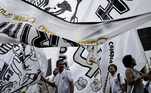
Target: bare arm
x=56, y=90
x=142, y=76
x=47, y=81
x=149, y=80
x=129, y=77
x=110, y=90
x=140, y=73
x=147, y=84
x=71, y=86
x=123, y=88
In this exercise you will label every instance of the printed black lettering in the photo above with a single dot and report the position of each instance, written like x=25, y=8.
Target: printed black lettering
x=10, y=32
x=79, y=59
x=25, y=33
x=62, y=55
x=8, y=74
x=5, y=47
x=63, y=50
x=43, y=37
x=3, y=70
x=4, y=24
x=118, y=5
x=111, y=44
x=54, y=40
x=71, y=42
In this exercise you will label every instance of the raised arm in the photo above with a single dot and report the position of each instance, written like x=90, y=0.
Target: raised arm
x=129, y=77
x=71, y=86
x=47, y=81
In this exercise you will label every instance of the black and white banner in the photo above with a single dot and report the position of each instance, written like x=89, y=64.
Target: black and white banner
x=48, y=23
x=21, y=65
x=31, y=25
x=145, y=37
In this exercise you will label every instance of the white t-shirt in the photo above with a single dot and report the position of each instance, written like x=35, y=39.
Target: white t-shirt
x=51, y=89
x=115, y=84
x=62, y=81
x=149, y=87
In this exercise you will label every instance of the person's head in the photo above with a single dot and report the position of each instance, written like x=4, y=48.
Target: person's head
x=112, y=68
x=129, y=61
x=60, y=65
x=55, y=71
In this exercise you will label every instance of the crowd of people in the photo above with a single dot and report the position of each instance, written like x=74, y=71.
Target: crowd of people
x=62, y=81
x=133, y=81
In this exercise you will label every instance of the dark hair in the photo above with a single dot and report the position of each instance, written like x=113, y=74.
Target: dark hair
x=127, y=60
x=60, y=60
x=113, y=66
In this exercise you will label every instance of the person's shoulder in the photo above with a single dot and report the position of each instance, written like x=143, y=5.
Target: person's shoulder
x=57, y=76
x=120, y=75
x=67, y=71
x=128, y=70
x=49, y=77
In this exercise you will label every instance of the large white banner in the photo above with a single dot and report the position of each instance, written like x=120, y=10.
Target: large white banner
x=88, y=77
x=92, y=10
x=114, y=50
x=21, y=65
x=33, y=26
x=93, y=77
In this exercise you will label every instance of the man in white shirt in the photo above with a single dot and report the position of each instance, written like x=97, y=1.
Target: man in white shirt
x=51, y=81
x=117, y=83
x=64, y=80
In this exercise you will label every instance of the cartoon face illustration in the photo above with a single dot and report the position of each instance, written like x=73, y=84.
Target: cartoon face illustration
x=64, y=9
x=17, y=48
x=23, y=59
x=30, y=52
x=60, y=8
x=96, y=85
x=5, y=74
x=81, y=83
x=40, y=3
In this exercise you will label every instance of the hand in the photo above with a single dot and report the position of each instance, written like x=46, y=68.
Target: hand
x=147, y=84
x=145, y=76
x=42, y=78
x=149, y=71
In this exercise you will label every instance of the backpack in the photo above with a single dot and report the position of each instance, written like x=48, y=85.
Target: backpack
x=118, y=77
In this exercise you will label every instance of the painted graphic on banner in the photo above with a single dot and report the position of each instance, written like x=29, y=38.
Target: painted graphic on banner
x=119, y=5
x=61, y=7
x=63, y=56
x=81, y=83
x=17, y=71
x=58, y=8
x=90, y=76
x=93, y=68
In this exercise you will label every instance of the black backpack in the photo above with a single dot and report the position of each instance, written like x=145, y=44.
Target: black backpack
x=118, y=77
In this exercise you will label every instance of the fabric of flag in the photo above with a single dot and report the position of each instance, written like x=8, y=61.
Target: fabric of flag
x=33, y=26
x=47, y=23
x=145, y=36
x=88, y=77
x=20, y=66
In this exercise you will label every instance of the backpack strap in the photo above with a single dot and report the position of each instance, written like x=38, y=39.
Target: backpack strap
x=118, y=77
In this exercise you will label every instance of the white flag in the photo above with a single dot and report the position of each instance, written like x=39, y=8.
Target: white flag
x=19, y=67
x=89, y=78
x=33, y=26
